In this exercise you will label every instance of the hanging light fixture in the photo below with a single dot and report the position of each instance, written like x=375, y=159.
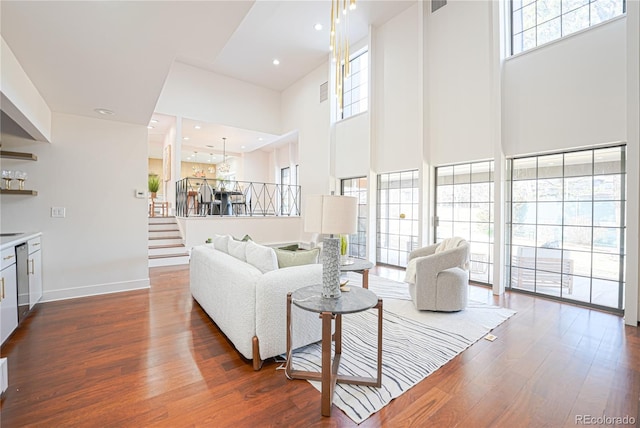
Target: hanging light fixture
x=224, y=167
x=339, y=42
x=197, y=169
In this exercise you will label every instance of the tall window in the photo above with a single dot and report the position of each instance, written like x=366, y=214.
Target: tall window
x=567, y=225
x=536, y=22
x=398, y=203
x=358, y=187
x=355, y=90
x=464, y=208
x=285, y=197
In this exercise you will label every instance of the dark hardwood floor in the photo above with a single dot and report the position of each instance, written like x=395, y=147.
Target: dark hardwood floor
x=153, y=358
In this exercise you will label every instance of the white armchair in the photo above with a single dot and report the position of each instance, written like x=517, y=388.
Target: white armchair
x=438, y=276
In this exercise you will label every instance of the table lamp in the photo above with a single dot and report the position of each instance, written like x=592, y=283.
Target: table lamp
x=333, y=215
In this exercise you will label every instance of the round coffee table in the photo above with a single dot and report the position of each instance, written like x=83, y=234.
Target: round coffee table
x=356, y=300
x=360, y=266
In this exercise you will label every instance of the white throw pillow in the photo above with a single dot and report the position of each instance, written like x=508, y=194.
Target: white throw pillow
x=261, y=257
x=221, y=243
x=410, y=275
x=238, y=249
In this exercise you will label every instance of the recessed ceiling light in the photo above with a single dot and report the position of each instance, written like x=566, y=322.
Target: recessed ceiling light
x=196, y=127
x=150, y=127
x=260, y=138
x=210, y=146
x=185, y=138
x=318, y=26
x=242, y=147
x=154, y=120
x=104, y=111
x=276, y=61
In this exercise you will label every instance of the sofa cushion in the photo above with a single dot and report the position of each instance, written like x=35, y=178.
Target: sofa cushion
x=261, y=257
x=238, y=249
x=221, y=243
x=296, y=258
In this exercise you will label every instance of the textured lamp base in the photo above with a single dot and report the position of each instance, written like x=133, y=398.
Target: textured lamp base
x=331, y=268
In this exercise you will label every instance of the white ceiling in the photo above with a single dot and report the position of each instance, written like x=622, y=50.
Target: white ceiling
x=83, y=55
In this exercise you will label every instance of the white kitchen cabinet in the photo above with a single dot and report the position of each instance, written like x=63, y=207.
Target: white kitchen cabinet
x=34, y=264
x=8, y=294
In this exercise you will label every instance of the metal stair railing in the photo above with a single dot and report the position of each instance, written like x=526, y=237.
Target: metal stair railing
x=250, y=198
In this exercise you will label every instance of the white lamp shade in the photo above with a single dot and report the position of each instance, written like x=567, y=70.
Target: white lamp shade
x=331, y=214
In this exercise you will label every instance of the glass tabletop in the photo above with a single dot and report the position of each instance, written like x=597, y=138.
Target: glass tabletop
x=355, y=300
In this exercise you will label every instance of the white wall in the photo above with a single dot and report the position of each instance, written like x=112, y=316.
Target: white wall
x=263, y=230
x=353, y=144
x=302, y=111
x=567, y=94
x=20, y=98
x=256, y=166
x=198, y=94
x=91, y=168
x=397, y=117
x=458, y=77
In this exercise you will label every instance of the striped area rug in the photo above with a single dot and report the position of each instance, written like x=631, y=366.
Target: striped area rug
x=415, y=344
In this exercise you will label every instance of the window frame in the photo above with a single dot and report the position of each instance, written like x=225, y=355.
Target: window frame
x=341, y=112
x=588, y=4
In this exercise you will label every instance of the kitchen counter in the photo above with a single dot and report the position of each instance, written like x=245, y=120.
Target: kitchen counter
x=12, y=241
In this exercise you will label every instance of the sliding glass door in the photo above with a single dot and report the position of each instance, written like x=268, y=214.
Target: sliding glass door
x=464, y=208
x=567, y=225
x=357, y=187
x=397, y=217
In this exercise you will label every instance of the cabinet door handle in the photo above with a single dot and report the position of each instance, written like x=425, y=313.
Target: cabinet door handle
x=2, y=288
x=8, y=257
x=36, y=244
x=33, y=264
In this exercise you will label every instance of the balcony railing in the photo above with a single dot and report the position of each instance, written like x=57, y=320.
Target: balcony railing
x=205, y=197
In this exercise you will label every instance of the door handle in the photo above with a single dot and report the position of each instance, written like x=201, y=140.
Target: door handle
x=33, y=268
x=2, y=289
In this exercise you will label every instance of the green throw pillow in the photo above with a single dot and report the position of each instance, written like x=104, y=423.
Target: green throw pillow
x=244, y=239
x=292, y=247
x=296, y=258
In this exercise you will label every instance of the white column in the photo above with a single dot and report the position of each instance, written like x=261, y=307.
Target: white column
x=631, y=313
x=498, y=51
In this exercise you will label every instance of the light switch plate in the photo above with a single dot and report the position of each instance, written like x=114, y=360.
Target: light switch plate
x=58, y=212
x=141, y=194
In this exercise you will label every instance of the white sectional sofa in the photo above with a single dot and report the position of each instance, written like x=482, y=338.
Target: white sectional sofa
x=239, y=285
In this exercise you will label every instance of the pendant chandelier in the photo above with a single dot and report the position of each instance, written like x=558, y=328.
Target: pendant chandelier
x=199, y=170
x=224, y=167
x=339, y=42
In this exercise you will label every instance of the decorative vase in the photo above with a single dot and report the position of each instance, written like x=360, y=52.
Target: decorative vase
x=331, y=268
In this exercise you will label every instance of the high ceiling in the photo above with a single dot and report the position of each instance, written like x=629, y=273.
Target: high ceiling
x=115, y=55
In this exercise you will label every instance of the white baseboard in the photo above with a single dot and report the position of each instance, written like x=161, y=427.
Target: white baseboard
x=94, y=290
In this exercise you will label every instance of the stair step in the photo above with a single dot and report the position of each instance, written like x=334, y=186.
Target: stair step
x=168, y=251
x=155, y=247
x=164, y=234
x=169, y=261
x=153, y=242
x=156, y=220
x=163, y=256
x=156, y=227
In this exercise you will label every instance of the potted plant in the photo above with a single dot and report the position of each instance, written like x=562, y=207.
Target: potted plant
x=154, y=185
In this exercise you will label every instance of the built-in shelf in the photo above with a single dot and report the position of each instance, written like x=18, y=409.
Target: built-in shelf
x=18, y=192
x=18, y=155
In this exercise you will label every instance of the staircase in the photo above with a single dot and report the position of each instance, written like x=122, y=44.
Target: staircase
x=166, y=247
